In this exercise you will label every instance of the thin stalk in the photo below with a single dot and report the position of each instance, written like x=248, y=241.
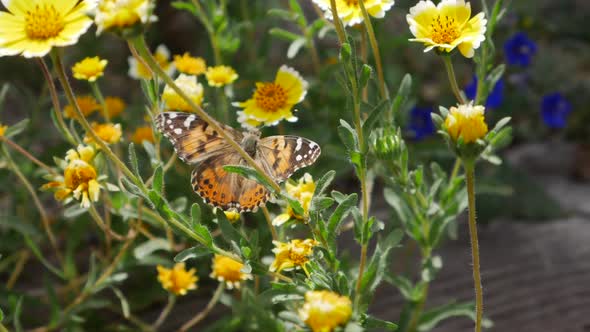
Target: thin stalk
x=337, y=23
x=456, y=167
x=165, y=312
x=201, y=315
x=55, y=101
x=470, y=178
x=147, y=56
x=44, y=218
x=375, y=47
x=82, y=120
x=210, y=32
x=96, y=90
x=28, y=155
x=364, y=57
x=102, y=225
x=273, y=231
x=452, y=78
x=18, y=268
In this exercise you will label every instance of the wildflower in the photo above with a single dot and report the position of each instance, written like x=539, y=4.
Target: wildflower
x=273, y=101
x=33, y=28
x=349, y=11
x=219, y=76
x=446, y=26
x=108, y=132
x=466, y=122
x=138, y=71
x=555, y=110
x=123, y=14
x=421, y=124
x=519, y=50
x=89, y=69
x=292, y=255
x=232, y=216
x=495, y=97
x=3, y=130
x=227, y=270
x=177, y=280
x=145, y=133
x=187, y=64
x=323, y=311
x=114, y=106
x=80, y=179
x=87, y=104
x=302, y=191
x=189, y=85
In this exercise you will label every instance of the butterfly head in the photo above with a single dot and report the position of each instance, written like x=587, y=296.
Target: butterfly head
x=250, y=142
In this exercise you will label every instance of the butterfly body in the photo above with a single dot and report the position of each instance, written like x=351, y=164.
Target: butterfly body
x=197, y=143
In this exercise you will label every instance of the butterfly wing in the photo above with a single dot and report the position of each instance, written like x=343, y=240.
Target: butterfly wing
x=227, y=190
x=283, y=155
x=193, y=139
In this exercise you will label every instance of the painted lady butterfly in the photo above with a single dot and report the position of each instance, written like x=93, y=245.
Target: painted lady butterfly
x=197, y=143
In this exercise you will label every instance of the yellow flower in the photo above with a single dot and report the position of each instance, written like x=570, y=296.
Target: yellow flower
x=219, y=76
x=144, y=133
x=88, y=105
x=323, y=311
x=189, y=85
x=80, y=179
x=2, y=130
x=232, y=216
x=122, y=14
x=187, y=64
x=446, y=26
x=33, y=28
x=466, y=121
x=292, y=255
x=138, y=71
x=227, y=270
x=350, y=12
x=177, y=280
x=115, y=106
x=273, y=101
x=89, y=69
x=302, y=191
x=108, y=132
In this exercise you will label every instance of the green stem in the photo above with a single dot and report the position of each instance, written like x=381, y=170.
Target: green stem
x=28, y=155
x=375, y=47
x=201, y=315
x=273, y=231
x=102, y=225
x=3, y=328
x=96, y=90
x=146, y=55
x=470, y=176
x=165, y=312
x=456, y=167
x=210, y=31
x=337, y=23
x=452, y=78
x=417, y=312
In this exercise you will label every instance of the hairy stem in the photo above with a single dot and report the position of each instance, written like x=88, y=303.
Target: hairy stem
x=452, y=78
x=470, y=178
x=375, y=47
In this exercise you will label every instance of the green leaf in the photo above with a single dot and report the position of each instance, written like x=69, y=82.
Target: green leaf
x=296, y=8
x=295, y=46
x=227, y=229
x=192, y=253
x=185, y=5
x=133, y=160
x=16, y=128
x=431, y=318
x=323, y=183
x=147, y=248
x=296, y=206
x=131, y=188
x=249, y=173
x=371, y=322
x=374, y=116
x=195, y=214
x=348, y=135
x=340, y=213
x=402, y=94
x=124, y=304
x=284, y=34
x=38, y=253
x=198, y=227
x=1, y=315
x=281, y=13
x=16, y=315
x=500, y=124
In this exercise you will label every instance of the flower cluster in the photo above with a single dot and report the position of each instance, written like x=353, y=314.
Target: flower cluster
x=292, y=255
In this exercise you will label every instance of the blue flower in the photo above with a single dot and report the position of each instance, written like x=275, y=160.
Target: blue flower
x=495, y=97
x=421, y=124
x=555, y=110
x=519, y=50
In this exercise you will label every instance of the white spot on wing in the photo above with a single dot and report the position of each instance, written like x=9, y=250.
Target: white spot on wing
x=298, y=158
x=178, y=131
x=187, y=122
x=299, y=143
x=173, y=115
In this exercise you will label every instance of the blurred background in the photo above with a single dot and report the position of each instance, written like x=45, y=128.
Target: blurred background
x=534, y=209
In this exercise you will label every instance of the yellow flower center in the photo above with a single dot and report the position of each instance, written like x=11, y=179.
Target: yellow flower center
x=299, y=257
x=43, y=22
x=270, y=97
x=352, y=3
x=444, y=30
x=78, y=173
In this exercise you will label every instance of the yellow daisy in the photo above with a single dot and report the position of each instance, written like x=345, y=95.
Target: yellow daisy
x=187, y=64
x=87, y=104
x=108, y=132
x=145, y=133
x=177, y=280
x=80, y=179
x=138, y=71
x=466, y=122
x=302, y=191
x=227, y=270
x=190, y=86
x=273, y=101
x=89, y=69
x=121, y=14
x=33, y=27
x=219, y=76
x=323, y=311
x=350, y=12
x=292, y=255
x=446, y=26
x=115, y=106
